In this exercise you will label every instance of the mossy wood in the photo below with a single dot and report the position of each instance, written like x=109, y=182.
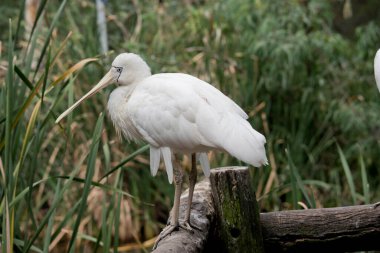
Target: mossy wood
x=238, y=221
x=344, y=229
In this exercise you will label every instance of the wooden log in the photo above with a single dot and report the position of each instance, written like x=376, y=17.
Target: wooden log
x=340, y=229
x=202, y=216
x=238, y=222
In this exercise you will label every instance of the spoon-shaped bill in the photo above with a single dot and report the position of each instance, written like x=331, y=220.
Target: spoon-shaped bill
x=104, y=82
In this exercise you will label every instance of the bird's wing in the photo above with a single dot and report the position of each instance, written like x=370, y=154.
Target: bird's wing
x=186, y=114
x=164, y=109
x=215, y=98
x=235, y=135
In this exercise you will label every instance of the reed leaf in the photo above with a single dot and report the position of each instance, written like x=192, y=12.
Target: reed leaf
x=348, y=174
x=90, y=171
x=365, y=183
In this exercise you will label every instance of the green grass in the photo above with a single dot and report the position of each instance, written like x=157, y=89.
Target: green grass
x=77, y=187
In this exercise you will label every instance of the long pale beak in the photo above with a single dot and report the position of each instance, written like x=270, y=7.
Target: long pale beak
x=104, y=82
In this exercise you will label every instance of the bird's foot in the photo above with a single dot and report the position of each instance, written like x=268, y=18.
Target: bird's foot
x=188, y=226
x=165, y=232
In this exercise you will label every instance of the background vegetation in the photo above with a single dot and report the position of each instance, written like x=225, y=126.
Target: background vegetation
x=303, y=70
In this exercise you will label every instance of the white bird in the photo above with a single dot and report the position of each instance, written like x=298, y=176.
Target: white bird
x=176, y=114
x=376, y=67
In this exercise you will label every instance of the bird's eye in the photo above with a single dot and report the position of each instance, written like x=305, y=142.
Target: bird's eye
x=118, y=69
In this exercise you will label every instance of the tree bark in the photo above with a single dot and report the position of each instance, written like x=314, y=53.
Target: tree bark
x=202, y=216
x=238, y=221
x=343, y=229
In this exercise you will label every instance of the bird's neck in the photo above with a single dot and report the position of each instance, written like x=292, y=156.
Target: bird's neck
x=133, y=80
x=118, y=111
x=127, y=90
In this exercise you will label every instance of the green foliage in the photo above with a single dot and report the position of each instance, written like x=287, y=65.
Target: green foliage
x=308, y=88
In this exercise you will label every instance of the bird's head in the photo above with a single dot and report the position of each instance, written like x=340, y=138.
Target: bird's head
x=127, y=69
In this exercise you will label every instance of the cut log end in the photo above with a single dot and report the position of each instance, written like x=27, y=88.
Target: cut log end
x=237, y=211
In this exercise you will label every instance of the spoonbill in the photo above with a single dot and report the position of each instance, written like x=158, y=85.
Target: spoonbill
x=376, y=66
x=176, y=114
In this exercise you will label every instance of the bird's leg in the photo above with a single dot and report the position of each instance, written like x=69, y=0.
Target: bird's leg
x=192, y=181
x=174, y=224
x=178, y=179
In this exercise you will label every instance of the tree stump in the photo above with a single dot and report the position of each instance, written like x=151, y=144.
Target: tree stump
x=238, y=217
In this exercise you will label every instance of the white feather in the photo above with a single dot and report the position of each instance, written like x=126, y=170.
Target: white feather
x=180, y=113
x=376, y=66
x=166, y=154
x=154, y=160
x=205, y=164
x=188, y=115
